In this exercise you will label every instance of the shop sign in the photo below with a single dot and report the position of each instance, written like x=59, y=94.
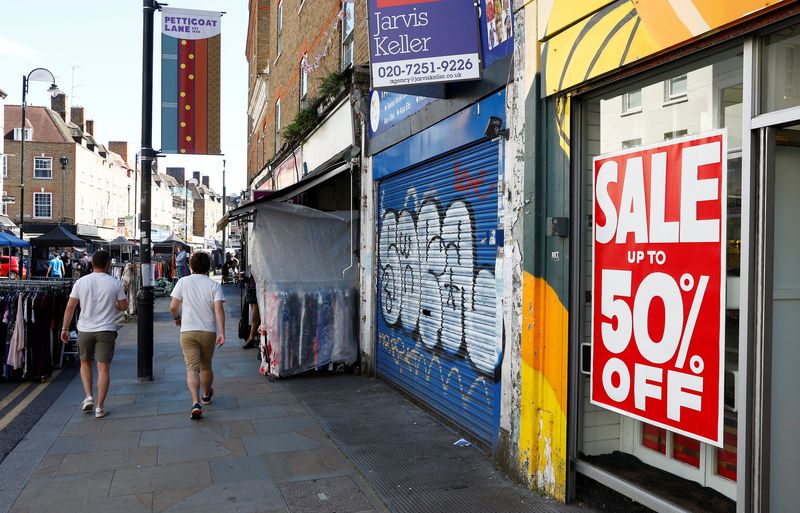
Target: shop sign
x=423, y=42
x=659, y=284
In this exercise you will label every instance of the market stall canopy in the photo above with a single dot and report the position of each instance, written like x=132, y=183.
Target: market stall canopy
x=172, y=240
x=8, y=240
x=121, y=242
x=59, y=237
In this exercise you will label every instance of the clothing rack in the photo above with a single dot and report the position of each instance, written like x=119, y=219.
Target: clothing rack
x=36, y=341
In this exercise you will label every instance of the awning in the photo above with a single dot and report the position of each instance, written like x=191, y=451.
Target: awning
x=310, y=180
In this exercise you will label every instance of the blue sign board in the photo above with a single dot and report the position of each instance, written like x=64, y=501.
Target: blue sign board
x=423, y=42
x=387, y=109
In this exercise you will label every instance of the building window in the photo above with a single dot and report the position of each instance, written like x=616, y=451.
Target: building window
x=631, y=143
x=303, y=82
x=42, y=205
x=43, y=167
x=277, y=126
x=675, y=88
x=5, y=166
x=18, y=134
x=675, y=134
x=279, y=21
x=348, y=40
x=632, y=102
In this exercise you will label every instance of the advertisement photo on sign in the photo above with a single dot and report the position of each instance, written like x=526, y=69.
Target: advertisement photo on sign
x=658, y=307
x=423, y=42
x=499, y=26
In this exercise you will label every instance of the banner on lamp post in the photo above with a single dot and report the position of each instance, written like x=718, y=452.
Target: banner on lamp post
x=658, y=301
x=423, y=42
x=190, y=81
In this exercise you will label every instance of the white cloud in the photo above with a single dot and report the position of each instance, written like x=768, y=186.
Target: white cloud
x=15, y=50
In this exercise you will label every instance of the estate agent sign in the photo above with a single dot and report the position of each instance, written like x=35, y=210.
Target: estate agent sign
x=658, y=278
x=423, y=41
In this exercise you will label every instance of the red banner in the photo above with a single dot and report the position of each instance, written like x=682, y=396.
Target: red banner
x=659, y=243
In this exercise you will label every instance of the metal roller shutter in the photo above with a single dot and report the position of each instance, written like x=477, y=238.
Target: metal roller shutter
x=436, y=322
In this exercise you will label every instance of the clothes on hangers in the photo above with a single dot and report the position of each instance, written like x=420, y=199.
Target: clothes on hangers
x=30, y=316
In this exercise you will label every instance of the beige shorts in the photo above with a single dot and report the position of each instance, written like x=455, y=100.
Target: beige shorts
x=97, y=344
x=198, y=348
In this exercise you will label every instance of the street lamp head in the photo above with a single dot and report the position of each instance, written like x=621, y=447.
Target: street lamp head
x=54, y=90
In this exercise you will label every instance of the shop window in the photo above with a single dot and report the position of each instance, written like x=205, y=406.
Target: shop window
x=633, y=449
x=781, y=69
x=632, y=102
x=675, y=88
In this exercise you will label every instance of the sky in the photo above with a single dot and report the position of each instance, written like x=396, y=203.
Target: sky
x=94, y=48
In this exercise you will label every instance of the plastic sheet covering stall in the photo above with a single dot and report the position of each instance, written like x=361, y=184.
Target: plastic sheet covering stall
x=305, y=276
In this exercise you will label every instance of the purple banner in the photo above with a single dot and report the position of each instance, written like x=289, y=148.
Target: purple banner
x=423, y=42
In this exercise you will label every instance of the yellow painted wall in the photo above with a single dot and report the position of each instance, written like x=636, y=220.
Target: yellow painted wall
x=619, y=33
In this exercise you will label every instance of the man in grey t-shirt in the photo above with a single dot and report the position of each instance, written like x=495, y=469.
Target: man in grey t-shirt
x=101, y=299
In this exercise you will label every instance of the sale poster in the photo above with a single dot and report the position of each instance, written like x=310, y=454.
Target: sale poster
x=658, y=302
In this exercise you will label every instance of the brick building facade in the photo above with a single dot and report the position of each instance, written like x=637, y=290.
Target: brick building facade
x=281, y=36
x=69, y=177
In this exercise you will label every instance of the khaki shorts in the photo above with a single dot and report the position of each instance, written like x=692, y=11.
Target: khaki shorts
x=198, y=348
x=97, y=344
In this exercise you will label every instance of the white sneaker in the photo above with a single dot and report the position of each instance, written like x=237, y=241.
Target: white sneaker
x=100, y=413
x=87, y=405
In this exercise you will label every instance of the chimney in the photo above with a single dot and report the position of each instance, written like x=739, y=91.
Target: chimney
x=90, y=126
x=59, y=105
x=196, y=176
x=206, y=181
x=120, y=148
x=76, y=116
x=177, y=173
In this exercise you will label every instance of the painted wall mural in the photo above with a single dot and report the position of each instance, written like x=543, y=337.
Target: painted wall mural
x=437, y=287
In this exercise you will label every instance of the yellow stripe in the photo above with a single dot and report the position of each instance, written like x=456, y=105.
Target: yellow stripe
x=10, y=416
x=13, y=395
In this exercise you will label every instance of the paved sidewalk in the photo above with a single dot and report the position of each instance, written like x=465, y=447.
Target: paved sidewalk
x=293, y=446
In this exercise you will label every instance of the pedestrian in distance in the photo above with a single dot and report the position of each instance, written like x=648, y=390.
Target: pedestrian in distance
x=101, y=299
x=181, y=260
x=198, y=308
x=55, y=268
x=85, y=264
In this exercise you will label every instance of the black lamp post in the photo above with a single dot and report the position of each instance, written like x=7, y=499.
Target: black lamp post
x=40, y=75
x=64, y=161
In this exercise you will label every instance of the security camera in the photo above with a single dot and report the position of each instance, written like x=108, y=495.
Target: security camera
x=494, y=129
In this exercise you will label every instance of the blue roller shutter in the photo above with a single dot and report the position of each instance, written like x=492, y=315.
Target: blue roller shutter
x=437, y=313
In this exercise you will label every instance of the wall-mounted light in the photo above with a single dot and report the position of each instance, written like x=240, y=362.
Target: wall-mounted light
x=494, y=129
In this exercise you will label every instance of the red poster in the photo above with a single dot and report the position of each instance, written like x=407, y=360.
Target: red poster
x=658, y=304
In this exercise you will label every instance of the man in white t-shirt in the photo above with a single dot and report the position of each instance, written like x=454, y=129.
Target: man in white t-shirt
x=101, y=299
x=197, y=307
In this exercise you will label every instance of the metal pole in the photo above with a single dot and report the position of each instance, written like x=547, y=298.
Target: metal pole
x=22, y=159
x=224, y=209
x=145, y=298
x=185, y=210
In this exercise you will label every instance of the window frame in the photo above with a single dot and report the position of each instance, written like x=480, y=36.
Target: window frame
x=37, y=158
x=279, y=27
x=277, y=126
x=348, y=39
x=303, y=81
x=669, y=95
x=28, y=134
x=49, y=195
x=4, y=158
x=626, y=107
